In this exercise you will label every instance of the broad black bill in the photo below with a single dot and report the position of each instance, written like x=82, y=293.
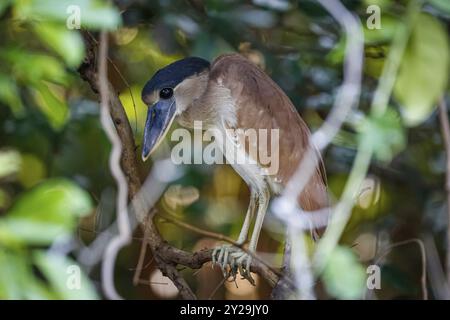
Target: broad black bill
x=159, y=119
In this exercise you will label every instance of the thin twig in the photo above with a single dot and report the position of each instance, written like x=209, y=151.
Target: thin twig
x=122, y=78
x=213, y=293
x=198, y=230
x=100, y=232
x=144, y=267
x=281, y=290
x=436, y=274
x=124, y=236
x=138, y=271
x=445, y=127
x=419, y=242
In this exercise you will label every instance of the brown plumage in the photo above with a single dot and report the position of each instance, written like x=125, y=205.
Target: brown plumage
x=263, y=105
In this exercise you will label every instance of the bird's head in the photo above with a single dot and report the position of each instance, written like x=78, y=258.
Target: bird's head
x=168, y=93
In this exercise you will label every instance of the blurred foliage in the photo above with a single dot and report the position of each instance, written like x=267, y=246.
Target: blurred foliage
x=54, y=155
x=39, y=55
x=383, y=134
x=344, y=276
x=423, y=73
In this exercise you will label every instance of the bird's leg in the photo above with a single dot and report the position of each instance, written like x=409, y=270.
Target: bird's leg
x=264, y=197
x=248, y=218
x=221, y=254
x=241, y=260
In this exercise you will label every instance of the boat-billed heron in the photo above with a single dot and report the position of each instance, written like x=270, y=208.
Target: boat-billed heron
x=232, y=92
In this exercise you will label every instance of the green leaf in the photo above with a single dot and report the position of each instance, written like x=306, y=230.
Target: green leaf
x=4, y=4
x=24, y=230
x=9, y=95
x=389, y=25
x=32, y=68
x=56, y=110
x=53, y=200
x=134, y=107
x=11, y=275
x=60, y=271
x=94, y=14
x=374, y=60
x=48, y=210
x=35, y=289
x=67, y=43
x=9, y=163
x=337, y=54
x=17, y=280
x=423, y=73
x=443, y=5
x=344, y=276
x=4, y=199
x=31, y=171
x=383, y=134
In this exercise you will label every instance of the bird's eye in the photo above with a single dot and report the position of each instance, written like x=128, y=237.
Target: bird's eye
x=166, y=93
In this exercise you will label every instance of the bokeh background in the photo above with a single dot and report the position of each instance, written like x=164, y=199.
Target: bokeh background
x=57, y=194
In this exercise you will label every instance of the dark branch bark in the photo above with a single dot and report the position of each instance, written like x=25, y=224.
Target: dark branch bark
x=284, y=287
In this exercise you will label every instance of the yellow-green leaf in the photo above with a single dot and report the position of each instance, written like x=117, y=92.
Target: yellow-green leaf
x=56, y=110
x=9, y=95
x=96, y=14
x=65, y=276
x=384, y=134
x=9, y=163
x=443, y=5
x=47, y=211
x=31, y=171
x=423, y=73
x=344, y=276
x=67, y=43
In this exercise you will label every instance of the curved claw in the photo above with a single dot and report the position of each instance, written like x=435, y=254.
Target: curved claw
x=244, y=263
x=214, y=257
x=232, y=261
x=248, y=273
x=225, y=263
x=219, y=259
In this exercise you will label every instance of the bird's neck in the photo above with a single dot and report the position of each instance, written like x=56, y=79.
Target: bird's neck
x=214, y=107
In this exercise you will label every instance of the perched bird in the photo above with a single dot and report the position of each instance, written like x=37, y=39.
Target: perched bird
x=233, y=93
